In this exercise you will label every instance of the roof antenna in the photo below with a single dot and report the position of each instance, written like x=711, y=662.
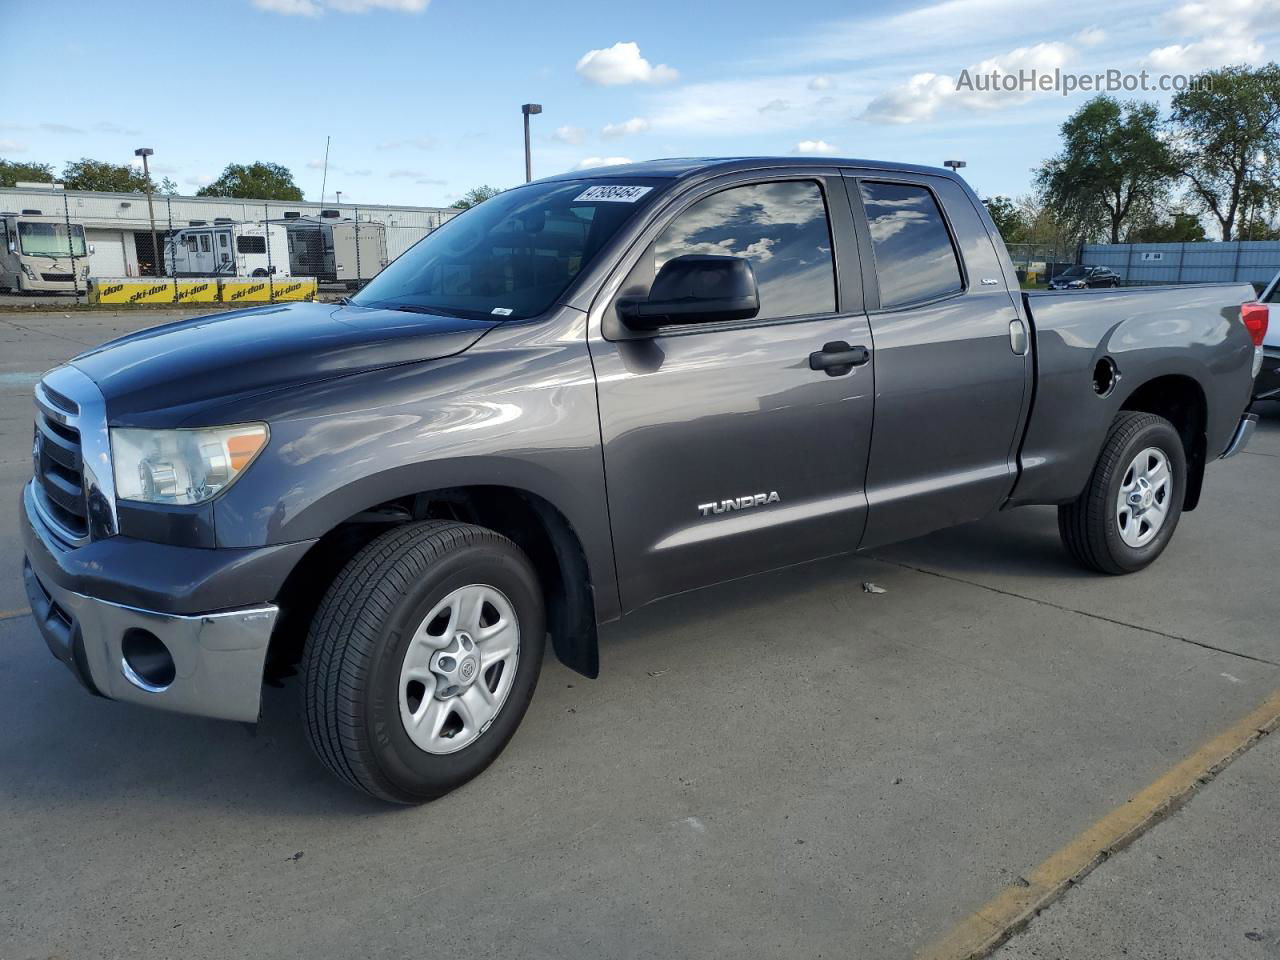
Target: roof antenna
x=324, y=178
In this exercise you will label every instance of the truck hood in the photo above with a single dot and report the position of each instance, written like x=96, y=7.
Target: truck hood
x=179, y=367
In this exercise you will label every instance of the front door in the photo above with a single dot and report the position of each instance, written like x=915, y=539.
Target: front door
x=726, y=453
x=952, y=378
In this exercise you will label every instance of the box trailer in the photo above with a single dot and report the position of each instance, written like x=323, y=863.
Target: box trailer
x=335, y=250
x=227, y=249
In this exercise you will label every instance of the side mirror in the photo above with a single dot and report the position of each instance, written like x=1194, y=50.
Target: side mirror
x=696, y=289
x=13, y=246
x=91, y=249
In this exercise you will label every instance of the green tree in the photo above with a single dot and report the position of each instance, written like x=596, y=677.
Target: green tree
x=86, y=174
x=254, y=181
x=1113, y=164
x=1181, y=227
x=1227, y=136
x=474, y=196
x=168, y=187
x=1007, y=218
x=13, y=171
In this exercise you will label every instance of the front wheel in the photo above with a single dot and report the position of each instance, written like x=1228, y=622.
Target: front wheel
x=1128, y=511
x=422, y=658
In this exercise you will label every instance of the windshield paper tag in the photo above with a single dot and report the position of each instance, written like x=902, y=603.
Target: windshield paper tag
x=502, y=311
x=612, y=194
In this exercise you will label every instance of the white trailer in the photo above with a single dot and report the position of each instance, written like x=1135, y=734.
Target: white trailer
x=226, y=249
x=336, y=250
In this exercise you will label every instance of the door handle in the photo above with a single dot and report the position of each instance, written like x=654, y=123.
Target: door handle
x=838, y=358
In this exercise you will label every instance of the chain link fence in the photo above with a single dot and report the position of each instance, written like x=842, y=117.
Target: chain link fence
x=120, y=248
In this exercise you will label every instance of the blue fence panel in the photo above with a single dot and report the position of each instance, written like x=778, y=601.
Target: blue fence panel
x=1249, y=261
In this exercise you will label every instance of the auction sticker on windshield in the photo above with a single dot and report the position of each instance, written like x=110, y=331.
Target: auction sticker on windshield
x=613, y=194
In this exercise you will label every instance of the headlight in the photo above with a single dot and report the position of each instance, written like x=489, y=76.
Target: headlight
x=31, y=274
x=182, y=466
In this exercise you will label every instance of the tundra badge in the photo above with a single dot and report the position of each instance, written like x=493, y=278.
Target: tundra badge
x=739, y=503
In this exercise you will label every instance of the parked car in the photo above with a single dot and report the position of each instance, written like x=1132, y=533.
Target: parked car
x=1267, y=383
x=579, y=397
x=1079, y=277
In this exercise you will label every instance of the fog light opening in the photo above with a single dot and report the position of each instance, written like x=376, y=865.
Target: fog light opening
x=146, y=661
x=1105, y=377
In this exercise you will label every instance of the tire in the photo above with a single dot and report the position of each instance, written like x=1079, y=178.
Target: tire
x=358, y=705
x=1094, y=527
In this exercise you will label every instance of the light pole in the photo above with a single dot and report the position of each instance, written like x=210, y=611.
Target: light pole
x=954, y=165
x=528, y=109
x=156, y=259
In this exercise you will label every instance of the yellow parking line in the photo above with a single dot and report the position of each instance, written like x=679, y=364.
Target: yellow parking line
x=11, y=614
x=1014, y=907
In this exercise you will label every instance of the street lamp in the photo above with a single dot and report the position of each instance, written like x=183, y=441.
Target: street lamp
x=528, y=109
x=954, y=165
x=339, y=193
x=156, y=259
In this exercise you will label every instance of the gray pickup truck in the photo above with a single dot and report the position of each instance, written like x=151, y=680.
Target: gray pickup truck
x=579, y=397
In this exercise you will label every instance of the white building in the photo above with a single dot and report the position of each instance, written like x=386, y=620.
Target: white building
x=119, y=229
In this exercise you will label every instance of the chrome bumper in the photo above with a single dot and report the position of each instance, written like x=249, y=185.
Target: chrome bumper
x=217, y=658
x=1240, y=439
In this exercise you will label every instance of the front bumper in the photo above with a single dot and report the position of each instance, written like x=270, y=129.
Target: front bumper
x=215, y=658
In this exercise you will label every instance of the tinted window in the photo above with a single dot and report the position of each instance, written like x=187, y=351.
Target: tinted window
x=511, y=256
x=914, y=257
x=251, y=244
x=780, y=227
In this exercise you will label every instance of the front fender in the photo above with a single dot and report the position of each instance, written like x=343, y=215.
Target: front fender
x=516, y=411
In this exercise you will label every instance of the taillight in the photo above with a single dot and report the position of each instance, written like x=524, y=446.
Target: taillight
x=1255, y=317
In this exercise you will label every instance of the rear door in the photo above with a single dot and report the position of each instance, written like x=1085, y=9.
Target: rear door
x=952, y=376
x=725, y=453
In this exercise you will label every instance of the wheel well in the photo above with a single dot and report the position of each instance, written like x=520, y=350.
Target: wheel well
x=537, y=527
x=1180, y=400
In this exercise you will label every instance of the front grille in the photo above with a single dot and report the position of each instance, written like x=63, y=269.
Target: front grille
x=59, y=473
x=73, y=488
x=58, y=277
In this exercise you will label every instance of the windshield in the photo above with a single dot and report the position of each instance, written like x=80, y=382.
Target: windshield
x=1076, y=272
x=511, y=256
x=50, y=239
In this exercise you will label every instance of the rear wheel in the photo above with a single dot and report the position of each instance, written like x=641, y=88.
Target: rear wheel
x=1128, y=511
x=422, y=659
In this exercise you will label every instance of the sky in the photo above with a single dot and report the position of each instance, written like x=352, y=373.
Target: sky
x=421, y=98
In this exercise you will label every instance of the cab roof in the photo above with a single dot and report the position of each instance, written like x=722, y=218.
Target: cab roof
x=678, y=168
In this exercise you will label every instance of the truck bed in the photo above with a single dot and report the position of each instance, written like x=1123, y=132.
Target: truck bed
x=1095, y=348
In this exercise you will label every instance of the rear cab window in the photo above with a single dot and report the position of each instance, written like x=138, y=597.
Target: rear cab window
x=915, y=258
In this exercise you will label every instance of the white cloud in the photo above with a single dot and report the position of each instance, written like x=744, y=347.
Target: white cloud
x=817, y=147
x=408, y=143
x=314, y=8
x=821, y=83
x=776, y=105
x=1091, y=36
x=1221, y=33
x=417, y=176
x=621, y=64
x=570, y=135
x=634, y=125
x=1205, y=54
x=12, y=146
x=588, y=162
x=199, y=180
x=921, y=97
